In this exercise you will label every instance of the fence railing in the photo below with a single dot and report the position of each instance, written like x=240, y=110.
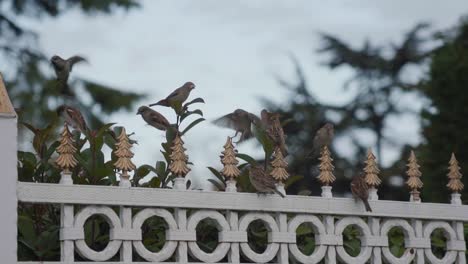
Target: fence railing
x=126, y=208
x=232, y=212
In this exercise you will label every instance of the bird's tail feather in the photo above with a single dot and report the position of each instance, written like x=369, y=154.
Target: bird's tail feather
x=162, y=102
x=367, y=205
x=280, y=193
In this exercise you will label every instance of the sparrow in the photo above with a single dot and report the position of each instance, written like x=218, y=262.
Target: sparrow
x=261, y=181
x=179, y=95
x=360, y=189
x=239, y=120
x=62, y=68
x=73, y=117
x=274, y=130
x=323, y=137
x=153, y=118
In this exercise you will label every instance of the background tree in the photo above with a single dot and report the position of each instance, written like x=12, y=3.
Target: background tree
x=28, y=75
x=444, y=119
x=380, y=83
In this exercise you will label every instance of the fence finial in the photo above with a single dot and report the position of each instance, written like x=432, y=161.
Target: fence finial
x=230, y=170
x=414, y=174
x=124, y=157
x=6, y=108
x=66, y=150
x=326, y=167
x=279, y=165
x=179, y=159
x=372, y=170
x=454, y=175
x=372, y=175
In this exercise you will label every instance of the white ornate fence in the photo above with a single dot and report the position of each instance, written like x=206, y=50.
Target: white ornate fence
x=234, y=211
x=183, y=209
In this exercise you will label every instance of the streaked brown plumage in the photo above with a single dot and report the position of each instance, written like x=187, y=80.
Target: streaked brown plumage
x=179, y=95
x=323, y=137
x=62, y=68
x=73, y=117
x=153, y=118
x=241, y=121
x=274, y=130
x=360, y=190
x=262, y=181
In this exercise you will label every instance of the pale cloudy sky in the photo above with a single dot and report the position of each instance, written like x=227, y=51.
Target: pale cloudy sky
x=231, y=50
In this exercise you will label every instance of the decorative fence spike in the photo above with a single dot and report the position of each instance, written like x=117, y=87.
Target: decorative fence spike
x=124, y=157
x=230, y=170
x=279, y=165
x=371, y=177
x=179, y=159
x=326, y=177
x=326, y=167
x=454, y=175
x=372, y=170
x=229, y=160
x=66, y=150
x=414, y=174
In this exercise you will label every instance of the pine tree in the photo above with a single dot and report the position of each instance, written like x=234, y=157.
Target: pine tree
x=326, y=167
x=178, y=158
x=66, y=150
x=229, y=160
x=444, y=130
x=414, y=182
x=279, y=165
x=122, y=151
x=454, y=175
x=372, y=170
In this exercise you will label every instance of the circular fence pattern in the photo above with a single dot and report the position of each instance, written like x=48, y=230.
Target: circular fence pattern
x=221, y=224
x=168, y=248
x=114, y=222
x=272, y=248
x=408, y=232
x=366, y=251
x=449, y=233
x=182, y=231
x=319, y=228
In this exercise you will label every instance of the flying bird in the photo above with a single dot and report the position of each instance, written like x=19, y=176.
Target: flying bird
x=274, y=130
x=73, y=117
x=241, y=121
x=360, y=189
x=261, y=181
x=153, y=118
x=179, y=95
x=62, y=68
x=323, y=137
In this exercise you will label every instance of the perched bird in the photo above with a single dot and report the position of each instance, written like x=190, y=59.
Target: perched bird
x=62, y=68
x=73, y=117
x=179, y=95
x=323, y=137
x=360, y=189
x=239, y=120
x=153, y=118
x=274, y=130
x=261, y=181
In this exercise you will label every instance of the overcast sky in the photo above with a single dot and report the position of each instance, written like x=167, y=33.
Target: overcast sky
x=231, y=50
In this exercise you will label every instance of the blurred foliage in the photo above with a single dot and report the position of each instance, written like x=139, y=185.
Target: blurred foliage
x=444, y=123
x=29, y=76
x=378, y=84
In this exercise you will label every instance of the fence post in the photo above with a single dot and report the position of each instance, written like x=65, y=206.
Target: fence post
x=8, y=159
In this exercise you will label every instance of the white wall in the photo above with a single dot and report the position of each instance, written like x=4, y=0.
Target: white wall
x=8, y=177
